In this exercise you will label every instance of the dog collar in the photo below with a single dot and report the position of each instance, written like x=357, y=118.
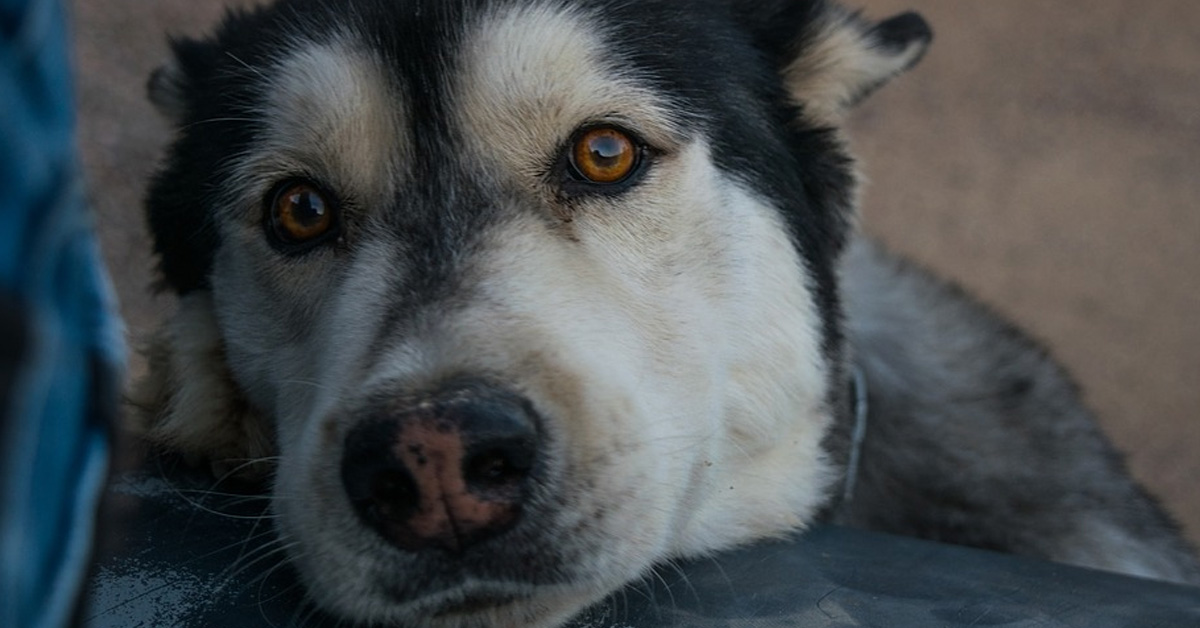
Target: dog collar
x=858, y=393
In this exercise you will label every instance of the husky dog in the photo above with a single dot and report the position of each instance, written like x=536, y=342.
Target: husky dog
x=514, y=299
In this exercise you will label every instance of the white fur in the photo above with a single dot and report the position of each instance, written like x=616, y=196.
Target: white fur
x=532, y=75
x=842, y=64
x=670, y=334
x=328, y=113
x=673, y=337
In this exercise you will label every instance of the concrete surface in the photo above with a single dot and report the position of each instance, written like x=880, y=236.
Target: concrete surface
x=1044, y=154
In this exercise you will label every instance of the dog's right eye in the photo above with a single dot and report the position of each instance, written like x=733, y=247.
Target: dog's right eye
x=300, y=215
x=604, y=155
x=602, y=159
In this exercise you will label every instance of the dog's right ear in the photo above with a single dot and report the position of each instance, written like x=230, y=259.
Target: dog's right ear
x=830, y=58
x=170, y=85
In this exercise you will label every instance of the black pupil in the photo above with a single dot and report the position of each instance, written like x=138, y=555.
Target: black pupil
x=306, y=207
x=606, y=150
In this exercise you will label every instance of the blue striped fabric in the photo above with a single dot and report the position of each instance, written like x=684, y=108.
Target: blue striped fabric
x=62, y=343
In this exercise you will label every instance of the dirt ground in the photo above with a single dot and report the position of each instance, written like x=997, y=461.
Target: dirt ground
x=1044, y=154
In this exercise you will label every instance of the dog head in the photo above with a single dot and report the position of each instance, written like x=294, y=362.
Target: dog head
x=523, y=296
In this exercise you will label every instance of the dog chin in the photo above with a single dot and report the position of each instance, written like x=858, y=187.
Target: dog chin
x=482, y=606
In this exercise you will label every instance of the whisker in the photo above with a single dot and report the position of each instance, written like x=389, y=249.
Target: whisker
x=263, y=582
x=241, y=497
x=304, y=614
x=252, y=535
x=671, y=594
x=246, y=463
x=266, y=552
x=310, y=383
x=212, y=511
x=724, y=575
x=216, y=120
x=683, y=576
x=245, y=65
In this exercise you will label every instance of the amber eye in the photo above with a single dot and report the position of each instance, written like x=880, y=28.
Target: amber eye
x=604, y=155
x=300, y=213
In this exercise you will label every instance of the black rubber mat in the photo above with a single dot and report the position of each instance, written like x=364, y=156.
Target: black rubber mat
x=190, y=558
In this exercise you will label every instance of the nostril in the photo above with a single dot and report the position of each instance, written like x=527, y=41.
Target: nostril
x=499, y=466
x=377, y=483
x=381, y=493
x=393, y=495
x=491, y=467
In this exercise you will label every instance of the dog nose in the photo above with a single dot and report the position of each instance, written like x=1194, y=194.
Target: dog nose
x=444, y=472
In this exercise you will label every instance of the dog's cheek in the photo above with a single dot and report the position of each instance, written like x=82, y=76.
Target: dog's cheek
x=729, y=320
x=776, y=410
x=267, y=309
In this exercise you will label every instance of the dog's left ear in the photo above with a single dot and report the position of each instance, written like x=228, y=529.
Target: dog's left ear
x=831, y=58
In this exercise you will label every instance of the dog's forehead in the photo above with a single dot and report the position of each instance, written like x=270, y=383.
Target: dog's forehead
x=329, y=100
x=410, y=108
x=511, y=80
x=528, y=75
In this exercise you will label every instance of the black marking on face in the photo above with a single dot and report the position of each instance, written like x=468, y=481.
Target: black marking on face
x=732, y=93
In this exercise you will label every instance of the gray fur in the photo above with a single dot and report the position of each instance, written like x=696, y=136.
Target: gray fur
x=978, y=437
x=683, y=334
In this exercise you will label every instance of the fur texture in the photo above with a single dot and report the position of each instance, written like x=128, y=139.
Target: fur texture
x=681, y=338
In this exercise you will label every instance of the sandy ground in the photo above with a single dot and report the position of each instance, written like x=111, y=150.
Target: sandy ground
x=1045, y=155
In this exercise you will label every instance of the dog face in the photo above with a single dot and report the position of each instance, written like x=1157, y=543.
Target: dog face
x=524, y=296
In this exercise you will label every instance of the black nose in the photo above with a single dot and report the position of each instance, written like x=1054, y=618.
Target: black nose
x=448, y=469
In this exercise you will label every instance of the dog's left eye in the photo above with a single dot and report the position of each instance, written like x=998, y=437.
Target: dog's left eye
x=300, y=213
x=604, y=156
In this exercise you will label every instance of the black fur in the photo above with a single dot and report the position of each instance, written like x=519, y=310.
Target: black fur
x=710, y=61
x=718, y=65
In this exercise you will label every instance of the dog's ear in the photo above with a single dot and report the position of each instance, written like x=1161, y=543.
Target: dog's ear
x=168, y=88
x=831, y=58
